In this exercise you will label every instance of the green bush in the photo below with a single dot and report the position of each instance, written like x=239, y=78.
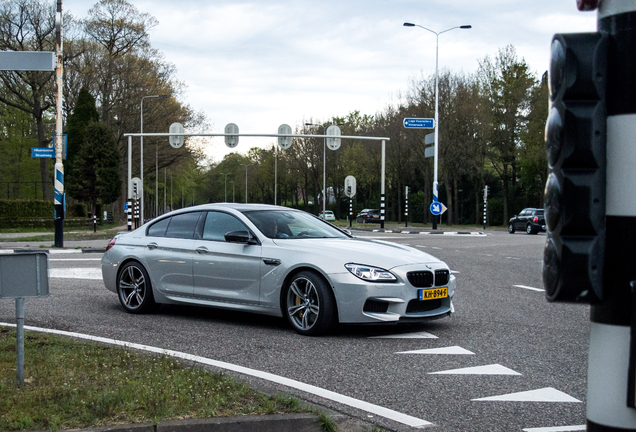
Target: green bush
x=79, y=210
x=15, y=208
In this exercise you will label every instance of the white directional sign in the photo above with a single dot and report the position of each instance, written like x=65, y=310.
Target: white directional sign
x=284, y=142
x=437, y=208
x=419, y=123
x=232, y=140
x=429, y=139
x=176, y=141
x=333, y=143
x=429, y=152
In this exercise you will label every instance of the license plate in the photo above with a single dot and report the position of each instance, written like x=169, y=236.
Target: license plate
x=432, y=294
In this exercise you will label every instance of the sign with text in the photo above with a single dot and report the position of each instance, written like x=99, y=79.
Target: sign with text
x=419, y=123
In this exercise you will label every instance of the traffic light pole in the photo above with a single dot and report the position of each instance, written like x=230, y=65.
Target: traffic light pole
x=611, y=398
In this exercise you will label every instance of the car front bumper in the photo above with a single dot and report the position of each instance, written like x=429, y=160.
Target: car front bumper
x=362, y=302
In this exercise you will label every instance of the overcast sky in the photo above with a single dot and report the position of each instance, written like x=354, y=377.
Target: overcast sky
x=260, y=63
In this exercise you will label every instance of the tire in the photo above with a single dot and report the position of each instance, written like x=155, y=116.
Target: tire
x=134, y=289
x=529, y=229
x=511, y=228
x=309, y=305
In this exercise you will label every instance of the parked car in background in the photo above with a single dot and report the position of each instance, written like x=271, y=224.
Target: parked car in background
x=368, y=215
x=276, y=261
x=530, y=220
x=328, y=216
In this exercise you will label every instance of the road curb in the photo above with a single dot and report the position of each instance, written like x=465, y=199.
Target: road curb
x=449, y=233
x=250, y=423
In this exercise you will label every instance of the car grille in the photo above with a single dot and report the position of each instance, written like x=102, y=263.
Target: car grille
x=417, y=306
x=420, y=279
x=441, y=277
x=375, y=306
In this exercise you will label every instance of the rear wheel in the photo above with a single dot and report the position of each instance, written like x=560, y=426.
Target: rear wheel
x=511, y=228
x=134, y=289
x=529, y=229
x=309, y=304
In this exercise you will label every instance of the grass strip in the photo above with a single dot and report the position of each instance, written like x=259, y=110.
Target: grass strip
x=77, y=384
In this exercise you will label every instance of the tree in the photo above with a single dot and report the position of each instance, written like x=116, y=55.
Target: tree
x=96, y=167
x=29, y=25
x=506, y=88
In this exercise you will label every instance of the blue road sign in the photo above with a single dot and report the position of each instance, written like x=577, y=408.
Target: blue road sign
x=43, y=152
x=419, y=123
x=437, y=208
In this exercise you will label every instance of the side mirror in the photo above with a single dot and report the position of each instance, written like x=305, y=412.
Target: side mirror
x=240, y=237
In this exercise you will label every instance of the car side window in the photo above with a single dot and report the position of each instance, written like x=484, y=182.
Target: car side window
x=183, y=225
x=217, y=224
x=158, y=229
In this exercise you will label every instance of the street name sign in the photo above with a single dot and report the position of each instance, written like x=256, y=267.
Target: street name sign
x=419, y=123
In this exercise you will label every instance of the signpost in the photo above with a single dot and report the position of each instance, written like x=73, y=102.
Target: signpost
x=419, y=123
x=23, y=275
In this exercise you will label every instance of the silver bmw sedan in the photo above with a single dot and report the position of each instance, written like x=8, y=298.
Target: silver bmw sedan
x=277, y=261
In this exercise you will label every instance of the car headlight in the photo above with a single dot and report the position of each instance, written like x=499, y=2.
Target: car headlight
x=370, y=273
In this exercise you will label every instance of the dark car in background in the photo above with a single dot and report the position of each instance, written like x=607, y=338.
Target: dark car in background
x=530, y=220
x=368, y=215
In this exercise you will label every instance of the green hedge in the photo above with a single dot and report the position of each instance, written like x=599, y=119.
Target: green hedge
x=47, y=223
x=14, y=209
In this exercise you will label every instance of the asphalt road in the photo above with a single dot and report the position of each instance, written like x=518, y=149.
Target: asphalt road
x=503, y=326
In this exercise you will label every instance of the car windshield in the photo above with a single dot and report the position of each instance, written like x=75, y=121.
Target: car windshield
x=285, y=224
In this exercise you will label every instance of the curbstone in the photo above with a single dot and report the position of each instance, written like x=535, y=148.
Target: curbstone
x=261, y=423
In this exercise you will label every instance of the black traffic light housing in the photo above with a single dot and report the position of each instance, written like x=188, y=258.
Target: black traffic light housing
x=574, y=198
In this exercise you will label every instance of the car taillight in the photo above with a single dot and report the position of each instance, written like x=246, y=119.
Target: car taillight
x=536, y=219
x=111, y=244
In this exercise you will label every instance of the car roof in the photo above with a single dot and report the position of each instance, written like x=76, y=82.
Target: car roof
x=241, y=207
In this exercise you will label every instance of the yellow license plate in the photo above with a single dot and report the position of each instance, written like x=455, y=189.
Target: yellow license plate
x=432, y=294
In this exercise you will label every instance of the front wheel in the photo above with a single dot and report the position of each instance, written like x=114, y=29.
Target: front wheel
x=309, y=304
x=511, y=228
x=134, y=289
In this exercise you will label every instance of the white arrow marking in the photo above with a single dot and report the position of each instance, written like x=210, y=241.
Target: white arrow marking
x=454, y=350
x=547, y=394
x=415, y=335
x=494, y=369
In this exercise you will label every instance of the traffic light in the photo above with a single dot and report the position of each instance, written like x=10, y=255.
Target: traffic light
x=574, y=198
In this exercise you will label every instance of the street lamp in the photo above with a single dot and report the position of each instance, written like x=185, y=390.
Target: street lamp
x=246, y=165
x=142, y=153
x=324, y=163
x=232, y=181
x=435, y=185
x=225, y=184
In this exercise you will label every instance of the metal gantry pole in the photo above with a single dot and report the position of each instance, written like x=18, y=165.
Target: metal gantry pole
x=19, y=315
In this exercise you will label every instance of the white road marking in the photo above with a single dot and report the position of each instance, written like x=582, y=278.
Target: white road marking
x=557, y=429
x=493, y=369
x=75, y=259
x=327, y=394
x=76, y=273
x=547, y=394
x=414, y=335
x=529, y=288
x=513, y=258
x=453, y=350
x=433, y=247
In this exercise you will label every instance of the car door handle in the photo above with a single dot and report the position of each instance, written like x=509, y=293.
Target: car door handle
x=202, y=250
x=152, y=245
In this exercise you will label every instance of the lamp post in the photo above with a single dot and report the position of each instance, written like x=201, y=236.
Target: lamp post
x=232, y=181
x=246, y=165
x=435, y=185
x=141, y=163
x=225, y=174
x=324, y=163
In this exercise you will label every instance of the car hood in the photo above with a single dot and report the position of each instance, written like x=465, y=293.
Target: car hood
x=362, y=251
